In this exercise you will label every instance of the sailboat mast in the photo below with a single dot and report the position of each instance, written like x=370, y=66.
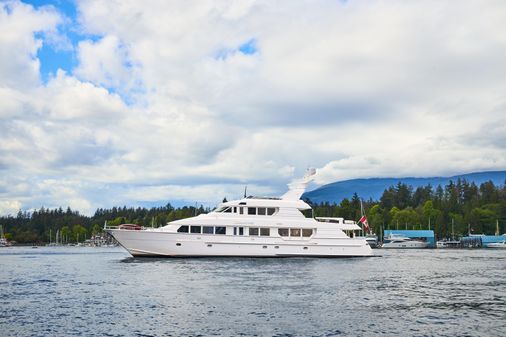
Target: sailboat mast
x=453, y=235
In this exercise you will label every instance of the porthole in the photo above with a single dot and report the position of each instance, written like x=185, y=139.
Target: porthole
x=264, y=247
x=178, y=244
x=305, y=248
x=209, y=245
x=277, y=247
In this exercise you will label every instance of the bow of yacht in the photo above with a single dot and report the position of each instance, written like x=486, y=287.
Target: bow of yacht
x=253, y=226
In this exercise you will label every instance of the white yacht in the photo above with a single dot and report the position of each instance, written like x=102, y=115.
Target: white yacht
x=253, y=226
x=448, y=244
x=401, y=241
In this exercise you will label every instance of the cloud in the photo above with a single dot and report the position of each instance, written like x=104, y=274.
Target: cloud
x=177, y=99
x=19, y=66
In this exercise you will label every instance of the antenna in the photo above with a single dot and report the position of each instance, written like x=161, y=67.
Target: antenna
x=245, y=189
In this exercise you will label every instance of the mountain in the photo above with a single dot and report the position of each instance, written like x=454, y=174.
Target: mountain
x=373, y=187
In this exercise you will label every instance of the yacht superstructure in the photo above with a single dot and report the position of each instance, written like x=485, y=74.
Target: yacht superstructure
x=253, y=226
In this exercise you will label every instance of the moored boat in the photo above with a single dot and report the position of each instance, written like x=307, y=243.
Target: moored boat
x=402, y=242
x=448, y=244
x=3, y=240
x=497, y=245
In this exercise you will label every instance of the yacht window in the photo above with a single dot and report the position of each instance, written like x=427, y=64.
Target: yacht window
x=283, y=231
x=294, y=231
x=207, y=229
x=241, y=230
x=264, y=231
x=182, y=229
x=252, y=211
x=220, y=209
x=253, y=231
x=235, y=209
x=220, y=230
x=228, y=210
x=195, y=229
x=235, y=230
x=271, y=211
x=307, y=232
x=261, y=211
x=240, y=210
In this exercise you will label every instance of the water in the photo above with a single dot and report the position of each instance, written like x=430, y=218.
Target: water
x=103, y=292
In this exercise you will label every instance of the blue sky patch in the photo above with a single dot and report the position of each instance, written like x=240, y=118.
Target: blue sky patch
x=247, y=48
x=54, y=55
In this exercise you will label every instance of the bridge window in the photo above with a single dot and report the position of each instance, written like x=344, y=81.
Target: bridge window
x=306, y=232
x=182, y=229
x=283, y=231
x=265, y=231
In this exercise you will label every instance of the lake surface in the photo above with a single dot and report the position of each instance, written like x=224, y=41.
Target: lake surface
x=73, y=291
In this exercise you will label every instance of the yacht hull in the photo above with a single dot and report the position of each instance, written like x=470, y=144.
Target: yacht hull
x=167, y=244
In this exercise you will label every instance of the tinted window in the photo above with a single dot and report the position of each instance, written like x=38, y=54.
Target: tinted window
x=264, y=231
x=195, y=229
x=220, y=230
x=235, y=209
x=307, y=232
x=183, y=229
x=228, y=210
x=207, y=229
x=283, y=231
x=261, y=211
x=294, y=231
x=241, y=230
x=271, y=211
x=240, y=210
x=252, y=210
x=253, y=231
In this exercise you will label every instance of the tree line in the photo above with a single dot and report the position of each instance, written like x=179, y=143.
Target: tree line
x=457, y=207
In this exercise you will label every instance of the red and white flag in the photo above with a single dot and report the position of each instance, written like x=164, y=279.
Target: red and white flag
x=363, y=220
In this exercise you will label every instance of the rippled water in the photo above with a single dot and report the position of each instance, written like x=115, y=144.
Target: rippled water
x=104, y=292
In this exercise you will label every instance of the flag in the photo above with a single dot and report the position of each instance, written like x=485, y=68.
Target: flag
x=363, y=220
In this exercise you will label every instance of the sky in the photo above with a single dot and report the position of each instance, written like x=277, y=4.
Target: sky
x=140, y=103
